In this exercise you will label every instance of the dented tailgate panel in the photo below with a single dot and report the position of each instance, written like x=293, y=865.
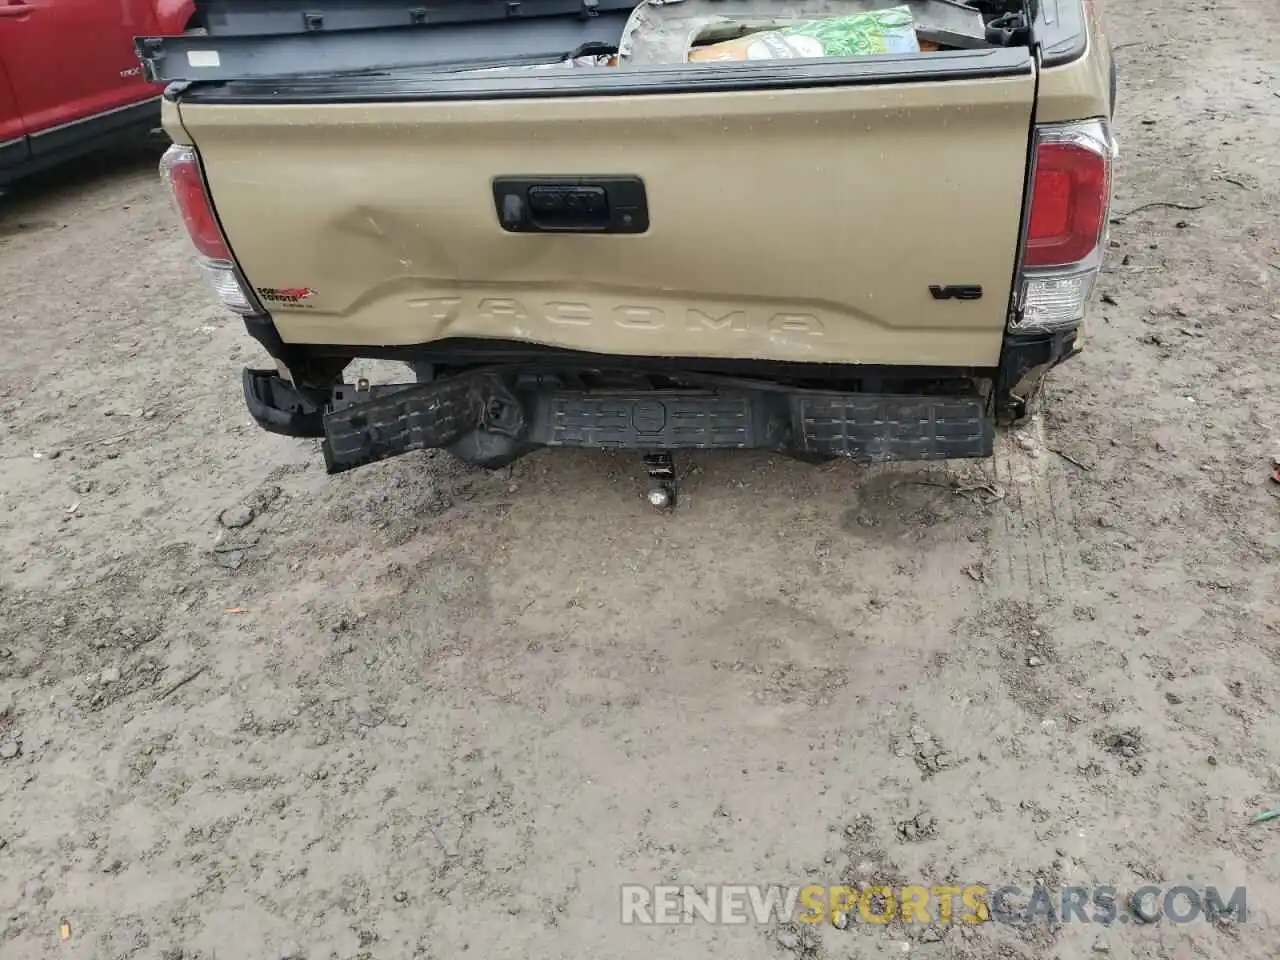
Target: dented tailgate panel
x=797, y=224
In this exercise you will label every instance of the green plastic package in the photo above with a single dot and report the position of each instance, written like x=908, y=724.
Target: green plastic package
x=858, y=34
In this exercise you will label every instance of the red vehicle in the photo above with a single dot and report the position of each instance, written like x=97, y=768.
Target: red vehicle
x=70, y=81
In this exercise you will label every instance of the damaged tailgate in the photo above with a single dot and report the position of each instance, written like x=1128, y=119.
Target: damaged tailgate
x=845, y=209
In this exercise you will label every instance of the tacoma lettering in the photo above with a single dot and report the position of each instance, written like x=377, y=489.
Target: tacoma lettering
x=569, y=313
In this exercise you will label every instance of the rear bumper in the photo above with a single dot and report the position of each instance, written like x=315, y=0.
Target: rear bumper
x=507, y=403
x=364, y=425
x=279, y=407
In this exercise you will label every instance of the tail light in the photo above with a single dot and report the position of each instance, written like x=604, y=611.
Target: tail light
x=1066, y=224
x=180, y=170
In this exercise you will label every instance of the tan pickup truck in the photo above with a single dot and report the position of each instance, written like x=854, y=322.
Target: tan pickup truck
x=579, y=224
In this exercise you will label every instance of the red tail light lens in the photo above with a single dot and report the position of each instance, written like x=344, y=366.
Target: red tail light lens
x=181, y=171
x=1070, y=194
x=1066, y=225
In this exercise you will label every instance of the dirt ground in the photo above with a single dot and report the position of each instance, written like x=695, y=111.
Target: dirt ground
x=423, y=711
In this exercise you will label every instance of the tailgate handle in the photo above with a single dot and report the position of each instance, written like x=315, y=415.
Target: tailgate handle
x=612, y=204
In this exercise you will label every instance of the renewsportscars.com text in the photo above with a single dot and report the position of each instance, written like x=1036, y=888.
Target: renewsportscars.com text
x=917, y=903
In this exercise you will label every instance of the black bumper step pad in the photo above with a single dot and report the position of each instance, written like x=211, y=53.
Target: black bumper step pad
x=368, y=425
x=876, y=428
x=395, y=421
x=668, y=420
